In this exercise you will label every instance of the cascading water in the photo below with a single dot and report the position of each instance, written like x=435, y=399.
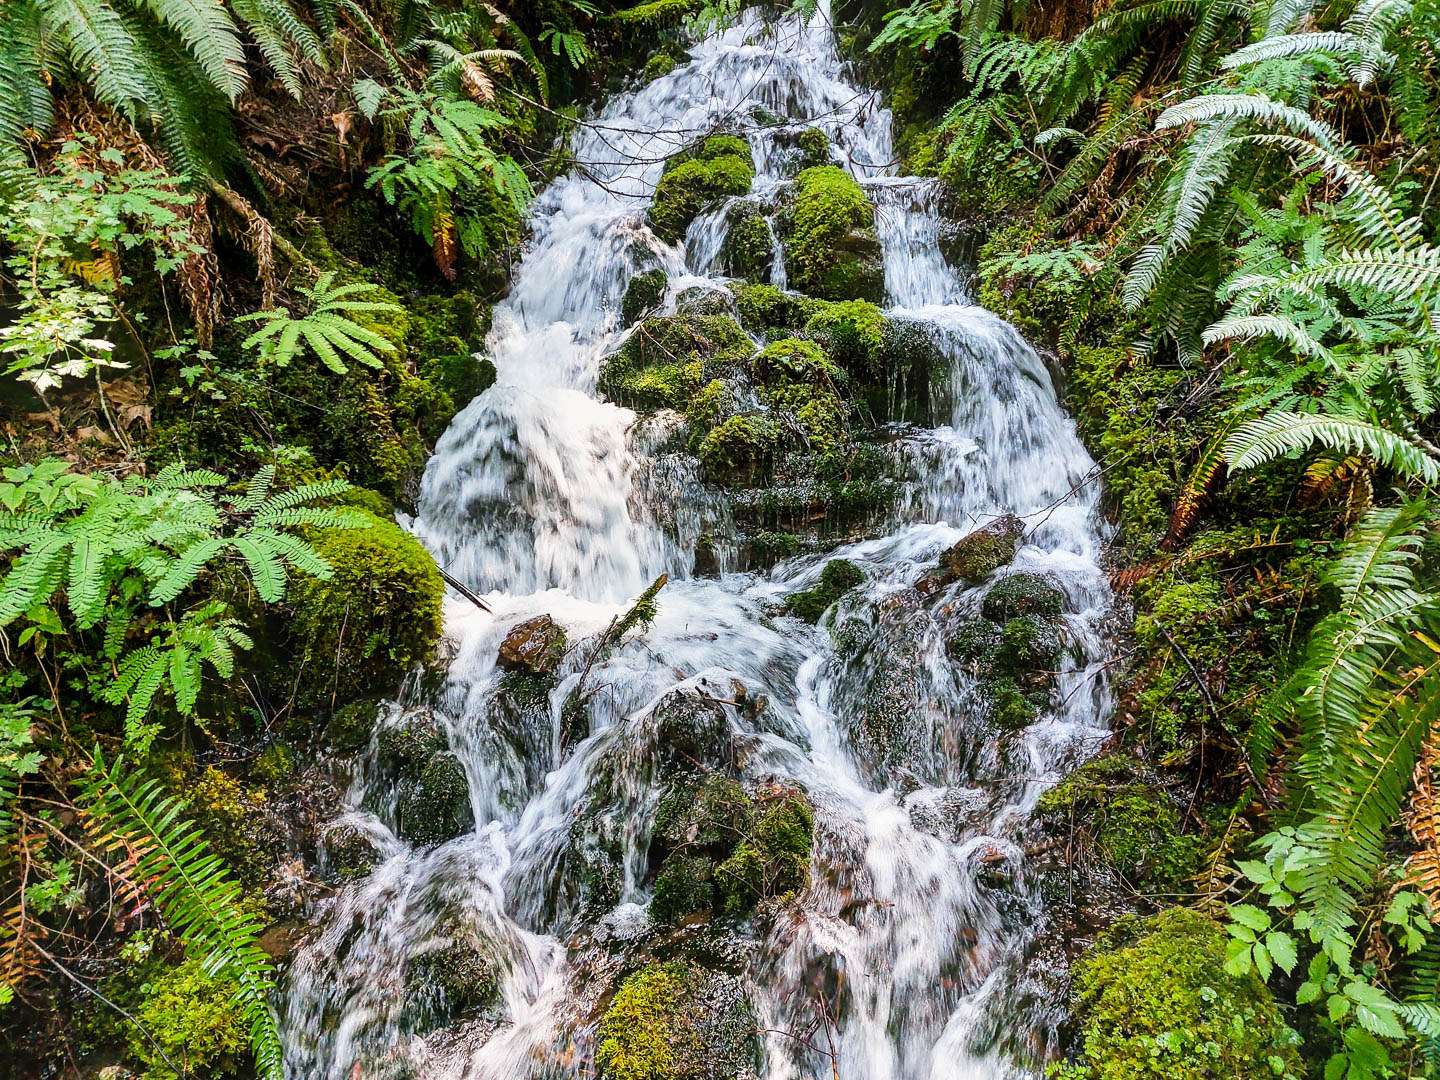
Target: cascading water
x=915, y=927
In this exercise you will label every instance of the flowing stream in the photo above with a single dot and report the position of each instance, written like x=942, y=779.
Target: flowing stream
x=917, y=933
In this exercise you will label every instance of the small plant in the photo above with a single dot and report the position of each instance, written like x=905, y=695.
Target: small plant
x=327, y=329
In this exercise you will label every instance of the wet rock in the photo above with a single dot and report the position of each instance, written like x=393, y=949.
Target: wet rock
x=831, y=248
x=704, y=301
x=644, y=294
x=350, y=726
x=349, y=851
x=985, y=550
x=452, y=983
x=1028, y=645
x=535, y=646
x=435, y=806
x=404, y=747
x=1022, y=594
x=692, y=728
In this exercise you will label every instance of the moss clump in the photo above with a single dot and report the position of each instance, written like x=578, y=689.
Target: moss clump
x=814, y=146
x=657, y=67
x=749, y=249
x=1153, y=1000
x=853, y=333
x=643, y=294
x=350, y=727
x=1130, y=825
x=764, y=307
x=668, y=359
x=797, y=377
x=197, y=1020
x=831, y=250
x=838, y=577
x=379, y=615
x=434, y=806
x=720, y=849
x=1022, y=594
x=720, y=167
x=456, y=981
x=350, y=852
x=741, y=448
x=675, y=1022
x=1027, y=645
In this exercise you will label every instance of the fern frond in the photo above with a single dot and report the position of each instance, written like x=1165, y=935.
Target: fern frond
x=1278, y=433
x=210, y=36
x=1205, y=108
x=123, y=812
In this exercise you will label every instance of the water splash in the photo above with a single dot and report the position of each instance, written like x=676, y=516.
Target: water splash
x=920, y=910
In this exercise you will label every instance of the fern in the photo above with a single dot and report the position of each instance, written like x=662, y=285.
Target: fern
x=1280, y=433
x=168, y=858
x=328, y=329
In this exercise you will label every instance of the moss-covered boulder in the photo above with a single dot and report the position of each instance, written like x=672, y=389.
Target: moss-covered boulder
x=838, y=578
x=350, y=725
x=677, y=1022
x=749, y=248
x=1120, y=822
x=668, y=359
x=434, y=805
x=644, y=294
x=720, y=167
x=1152, y=1001
x=798, y=379
x=831, y=251
x=1022, y=594
x=814, y=147
x=349, y=851
x=976, y=555
x=455, y=982
x=764, y=307
x=360, y=632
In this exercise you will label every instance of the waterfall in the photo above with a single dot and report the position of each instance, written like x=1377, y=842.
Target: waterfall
x=921, y=908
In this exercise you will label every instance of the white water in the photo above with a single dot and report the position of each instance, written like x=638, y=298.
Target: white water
x=920, y=914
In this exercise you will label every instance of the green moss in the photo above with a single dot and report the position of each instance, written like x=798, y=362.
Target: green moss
x=763, y=307
x=1128, y=823
x=984, y=551
x=1153, y=1002
x=838, y=577
x=350, y=852
x=274, y=766
x=1022, y=594
x=814, y=147
x=643, y=294
x=1027, y=645
x=796, y=376
x=853, y=332
x=435, y=805
x=441, y=986
x=234, y=823
x=673, y=1022
x=748, y=251
x=198, y=1022
x=655, y=13
x=657, y=67
x=350, y=727
x=668, y=359
x=741, y=448
x=718, y=168
x=830, y=250
x=682, y=888
x=360, y=632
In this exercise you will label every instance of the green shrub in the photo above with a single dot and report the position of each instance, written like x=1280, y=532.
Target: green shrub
x=1153, y=1002
x=360, y=632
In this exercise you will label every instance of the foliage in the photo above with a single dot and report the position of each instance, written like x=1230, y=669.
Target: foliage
x=195, y=1017
x=200, y=902
x=66, y=231
x=327, y=327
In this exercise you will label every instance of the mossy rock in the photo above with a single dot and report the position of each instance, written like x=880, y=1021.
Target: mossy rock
x=403, y=748
x=1153, y=1001
x=1128, y=823
x=853, y=334
x=683, y=887
x=720, y=167
x=838, y=578
x=796, y=377
x=831, y=251
x=456, y=981
x=749, y=248
x=1028, y=645
x=765, y=307
x=644, y=294
x=535, y=646
x=703, y=300
x=435, y=806
x=814, y=146
x=657, y=67
x=668, y=359
x=775, y=864
x=1022, y=594
x=350, y=726
x=360, y=632
x=985, y=550
x=741, y=448
x=350, y=851
x=675, y=1021
x=692, y=728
